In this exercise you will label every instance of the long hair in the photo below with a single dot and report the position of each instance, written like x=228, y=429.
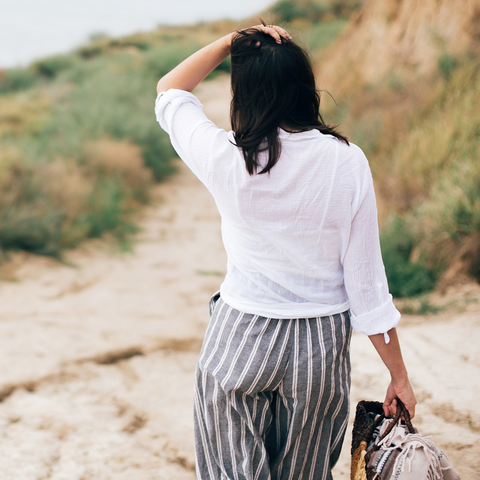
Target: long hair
x=273, y=86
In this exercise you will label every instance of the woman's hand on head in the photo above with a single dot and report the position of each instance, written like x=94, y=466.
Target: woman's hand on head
x=188, y=74
x=276, y=32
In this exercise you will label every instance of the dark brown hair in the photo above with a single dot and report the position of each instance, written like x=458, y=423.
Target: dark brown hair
x=273, y=86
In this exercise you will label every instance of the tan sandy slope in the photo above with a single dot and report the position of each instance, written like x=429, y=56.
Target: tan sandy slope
x=98, y=355
x=391, y=40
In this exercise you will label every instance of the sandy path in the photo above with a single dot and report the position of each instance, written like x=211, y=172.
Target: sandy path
x=98, y=355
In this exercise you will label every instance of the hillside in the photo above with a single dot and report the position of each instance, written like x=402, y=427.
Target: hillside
x=406, y=77
x=401, y=37
x=80, y=149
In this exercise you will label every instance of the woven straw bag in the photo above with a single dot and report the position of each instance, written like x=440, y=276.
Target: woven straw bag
x=387, y=449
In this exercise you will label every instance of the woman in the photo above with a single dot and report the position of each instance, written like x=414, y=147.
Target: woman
x=299, y=225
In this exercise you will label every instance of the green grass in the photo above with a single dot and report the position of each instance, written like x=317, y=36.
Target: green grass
x=290, y=11
x=322, y=35
x=17, y=79
x=406, y=277
x=80, y=144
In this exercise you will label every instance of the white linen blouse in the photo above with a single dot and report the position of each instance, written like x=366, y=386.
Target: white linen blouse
x=302, y=241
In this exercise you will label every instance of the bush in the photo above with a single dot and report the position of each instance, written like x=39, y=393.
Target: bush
x=105, y=212
x=446, y=65
x=405, y=278
x=50, y=67
x=288, y=10
x=160, y=60
x=48, y=206
x=323, y=34
x=28, y=220
x=17, y=79
x=120, y=161
x=109, y=104
x=80, y=154
x=314, y=10
x=447, y=225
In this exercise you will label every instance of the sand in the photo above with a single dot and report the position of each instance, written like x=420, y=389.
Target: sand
x=99, y=351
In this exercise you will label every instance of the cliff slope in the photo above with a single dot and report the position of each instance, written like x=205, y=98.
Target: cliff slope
x=405, y=37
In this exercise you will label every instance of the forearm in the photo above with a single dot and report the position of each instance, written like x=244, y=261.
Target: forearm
x=390, y=354
x=195, y=68
x=400, y=384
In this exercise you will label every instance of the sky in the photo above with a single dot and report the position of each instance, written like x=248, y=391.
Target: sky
x=32, y=29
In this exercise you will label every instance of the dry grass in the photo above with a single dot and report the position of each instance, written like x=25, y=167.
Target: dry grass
x=422, y=140
x=119, y=159
x=23, y=113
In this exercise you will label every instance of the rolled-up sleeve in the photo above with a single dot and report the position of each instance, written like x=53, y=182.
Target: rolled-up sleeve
x=195, y=138
x=371, y=305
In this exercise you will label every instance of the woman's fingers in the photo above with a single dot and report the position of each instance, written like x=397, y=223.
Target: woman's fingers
x=276, y=32
x=280, y=32
x=405, y=393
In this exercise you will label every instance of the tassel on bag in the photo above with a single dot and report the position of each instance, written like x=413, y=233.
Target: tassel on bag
x=387, y=449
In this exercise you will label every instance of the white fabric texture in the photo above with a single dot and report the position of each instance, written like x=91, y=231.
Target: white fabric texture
x=302, y=241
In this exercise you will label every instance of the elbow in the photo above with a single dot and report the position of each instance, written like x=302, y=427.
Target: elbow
x=165, y=83
x=160, y=86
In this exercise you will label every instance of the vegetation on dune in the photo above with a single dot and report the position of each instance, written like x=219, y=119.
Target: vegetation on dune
x=313, y=10
x=80, y=147
x=423, y=141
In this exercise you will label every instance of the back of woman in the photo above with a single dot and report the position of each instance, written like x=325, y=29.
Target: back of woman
x=287, y=232
x=300, y=230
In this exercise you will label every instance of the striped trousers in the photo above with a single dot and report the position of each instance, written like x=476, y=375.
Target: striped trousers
x=271, y=396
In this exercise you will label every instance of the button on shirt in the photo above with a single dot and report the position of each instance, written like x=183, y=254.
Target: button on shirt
x=302, y=240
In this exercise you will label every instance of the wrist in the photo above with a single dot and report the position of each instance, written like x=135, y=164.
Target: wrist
x=400, y=377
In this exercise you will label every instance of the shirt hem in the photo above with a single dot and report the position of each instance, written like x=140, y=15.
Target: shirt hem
x=284, y=311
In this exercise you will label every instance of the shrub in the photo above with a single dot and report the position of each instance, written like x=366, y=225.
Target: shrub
x=323, y=34
x=120, y=161
x=447, y=225
x=160, y=60
x=48, y=206
x=28, y=220
x=50, y=67
x=79, y=154
x=405, y=278
x=288, y=10
x=109, y=104
x=314, y=10
x=17, y=79
x=446, y=65
x=105, y=212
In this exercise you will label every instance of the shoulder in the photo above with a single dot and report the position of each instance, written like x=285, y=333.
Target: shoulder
x=352, y=158
x=351, y=151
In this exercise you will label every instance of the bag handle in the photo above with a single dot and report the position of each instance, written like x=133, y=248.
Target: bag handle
x=401, y=410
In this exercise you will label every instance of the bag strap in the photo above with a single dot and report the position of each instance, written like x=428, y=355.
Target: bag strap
x=401, y=411
x=406, y=416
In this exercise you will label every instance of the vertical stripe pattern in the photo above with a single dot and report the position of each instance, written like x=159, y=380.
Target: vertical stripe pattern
x=271, y=396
